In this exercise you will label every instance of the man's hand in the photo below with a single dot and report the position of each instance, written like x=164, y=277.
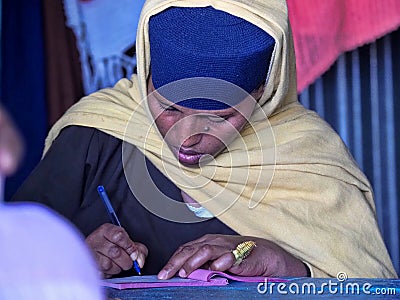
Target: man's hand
x=114, y=250
x=214, y=251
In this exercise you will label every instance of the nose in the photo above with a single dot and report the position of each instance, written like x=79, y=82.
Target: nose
x=191, y=141
x=188, y=131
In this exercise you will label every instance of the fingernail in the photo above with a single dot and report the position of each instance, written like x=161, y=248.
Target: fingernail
x=140, y=261
x=134, y=255
x=182, y=273
x=162, y=275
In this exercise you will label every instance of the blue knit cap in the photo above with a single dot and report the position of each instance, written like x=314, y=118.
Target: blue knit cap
x=205, y=42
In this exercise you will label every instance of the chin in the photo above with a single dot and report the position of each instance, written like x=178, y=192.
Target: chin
x=189, y=165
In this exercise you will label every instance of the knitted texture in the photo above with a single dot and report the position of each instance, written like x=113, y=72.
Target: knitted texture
x=205, y=42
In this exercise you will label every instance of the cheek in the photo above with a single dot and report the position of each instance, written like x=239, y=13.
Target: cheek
x=239, y=122
x=164, y=124
x=223, y=137
x=213, y=143
x=226, y=137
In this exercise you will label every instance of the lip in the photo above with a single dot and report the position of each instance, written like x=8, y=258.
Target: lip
x=188, y=157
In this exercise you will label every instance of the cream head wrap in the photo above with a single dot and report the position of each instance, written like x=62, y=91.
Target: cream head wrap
x=287, y=178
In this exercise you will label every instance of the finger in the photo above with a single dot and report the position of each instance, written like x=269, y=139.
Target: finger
x=141, y=260
x=118, y=256
x=203, y=255
x=106, y=265
x=224, y=262
x=141, y=254
x=118, y=236
x=142, y=249
x=255, y=264
x=99, y=243
x=176, y=261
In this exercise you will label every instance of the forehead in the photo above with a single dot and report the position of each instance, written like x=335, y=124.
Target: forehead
x=242, y=107
x=202, y=94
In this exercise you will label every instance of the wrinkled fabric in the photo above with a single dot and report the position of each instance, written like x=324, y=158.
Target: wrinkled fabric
x=287, y=177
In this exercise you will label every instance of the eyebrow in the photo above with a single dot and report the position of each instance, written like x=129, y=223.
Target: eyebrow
x=220, y=113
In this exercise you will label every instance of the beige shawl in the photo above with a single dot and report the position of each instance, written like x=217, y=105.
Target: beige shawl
x=287, y=178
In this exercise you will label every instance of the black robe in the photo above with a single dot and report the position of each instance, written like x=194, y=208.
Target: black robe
x=83, y=158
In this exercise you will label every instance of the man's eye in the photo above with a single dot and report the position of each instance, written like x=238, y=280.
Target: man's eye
x=170, y=108
x=167, y=107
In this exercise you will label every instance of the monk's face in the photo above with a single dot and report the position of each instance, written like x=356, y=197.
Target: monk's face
x=195, y=135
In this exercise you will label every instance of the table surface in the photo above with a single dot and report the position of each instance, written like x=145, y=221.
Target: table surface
x=296, y=288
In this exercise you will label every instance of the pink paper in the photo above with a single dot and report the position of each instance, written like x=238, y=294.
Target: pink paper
x=198, y=277
x=209, y=275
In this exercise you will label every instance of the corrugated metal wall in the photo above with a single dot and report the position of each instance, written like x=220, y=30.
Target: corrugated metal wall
x=359, y=97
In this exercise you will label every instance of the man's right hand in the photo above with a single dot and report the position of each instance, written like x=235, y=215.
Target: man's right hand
x=114, y=250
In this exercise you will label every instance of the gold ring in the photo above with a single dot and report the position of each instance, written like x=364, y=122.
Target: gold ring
x=242, y=251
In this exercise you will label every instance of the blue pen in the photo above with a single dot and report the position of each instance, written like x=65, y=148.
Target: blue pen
x=114, y=219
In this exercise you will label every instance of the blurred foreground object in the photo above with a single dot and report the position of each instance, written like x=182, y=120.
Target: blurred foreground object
x=43, y=257
x=11, y=145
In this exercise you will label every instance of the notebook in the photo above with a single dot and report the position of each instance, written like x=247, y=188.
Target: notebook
x=199, y=277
